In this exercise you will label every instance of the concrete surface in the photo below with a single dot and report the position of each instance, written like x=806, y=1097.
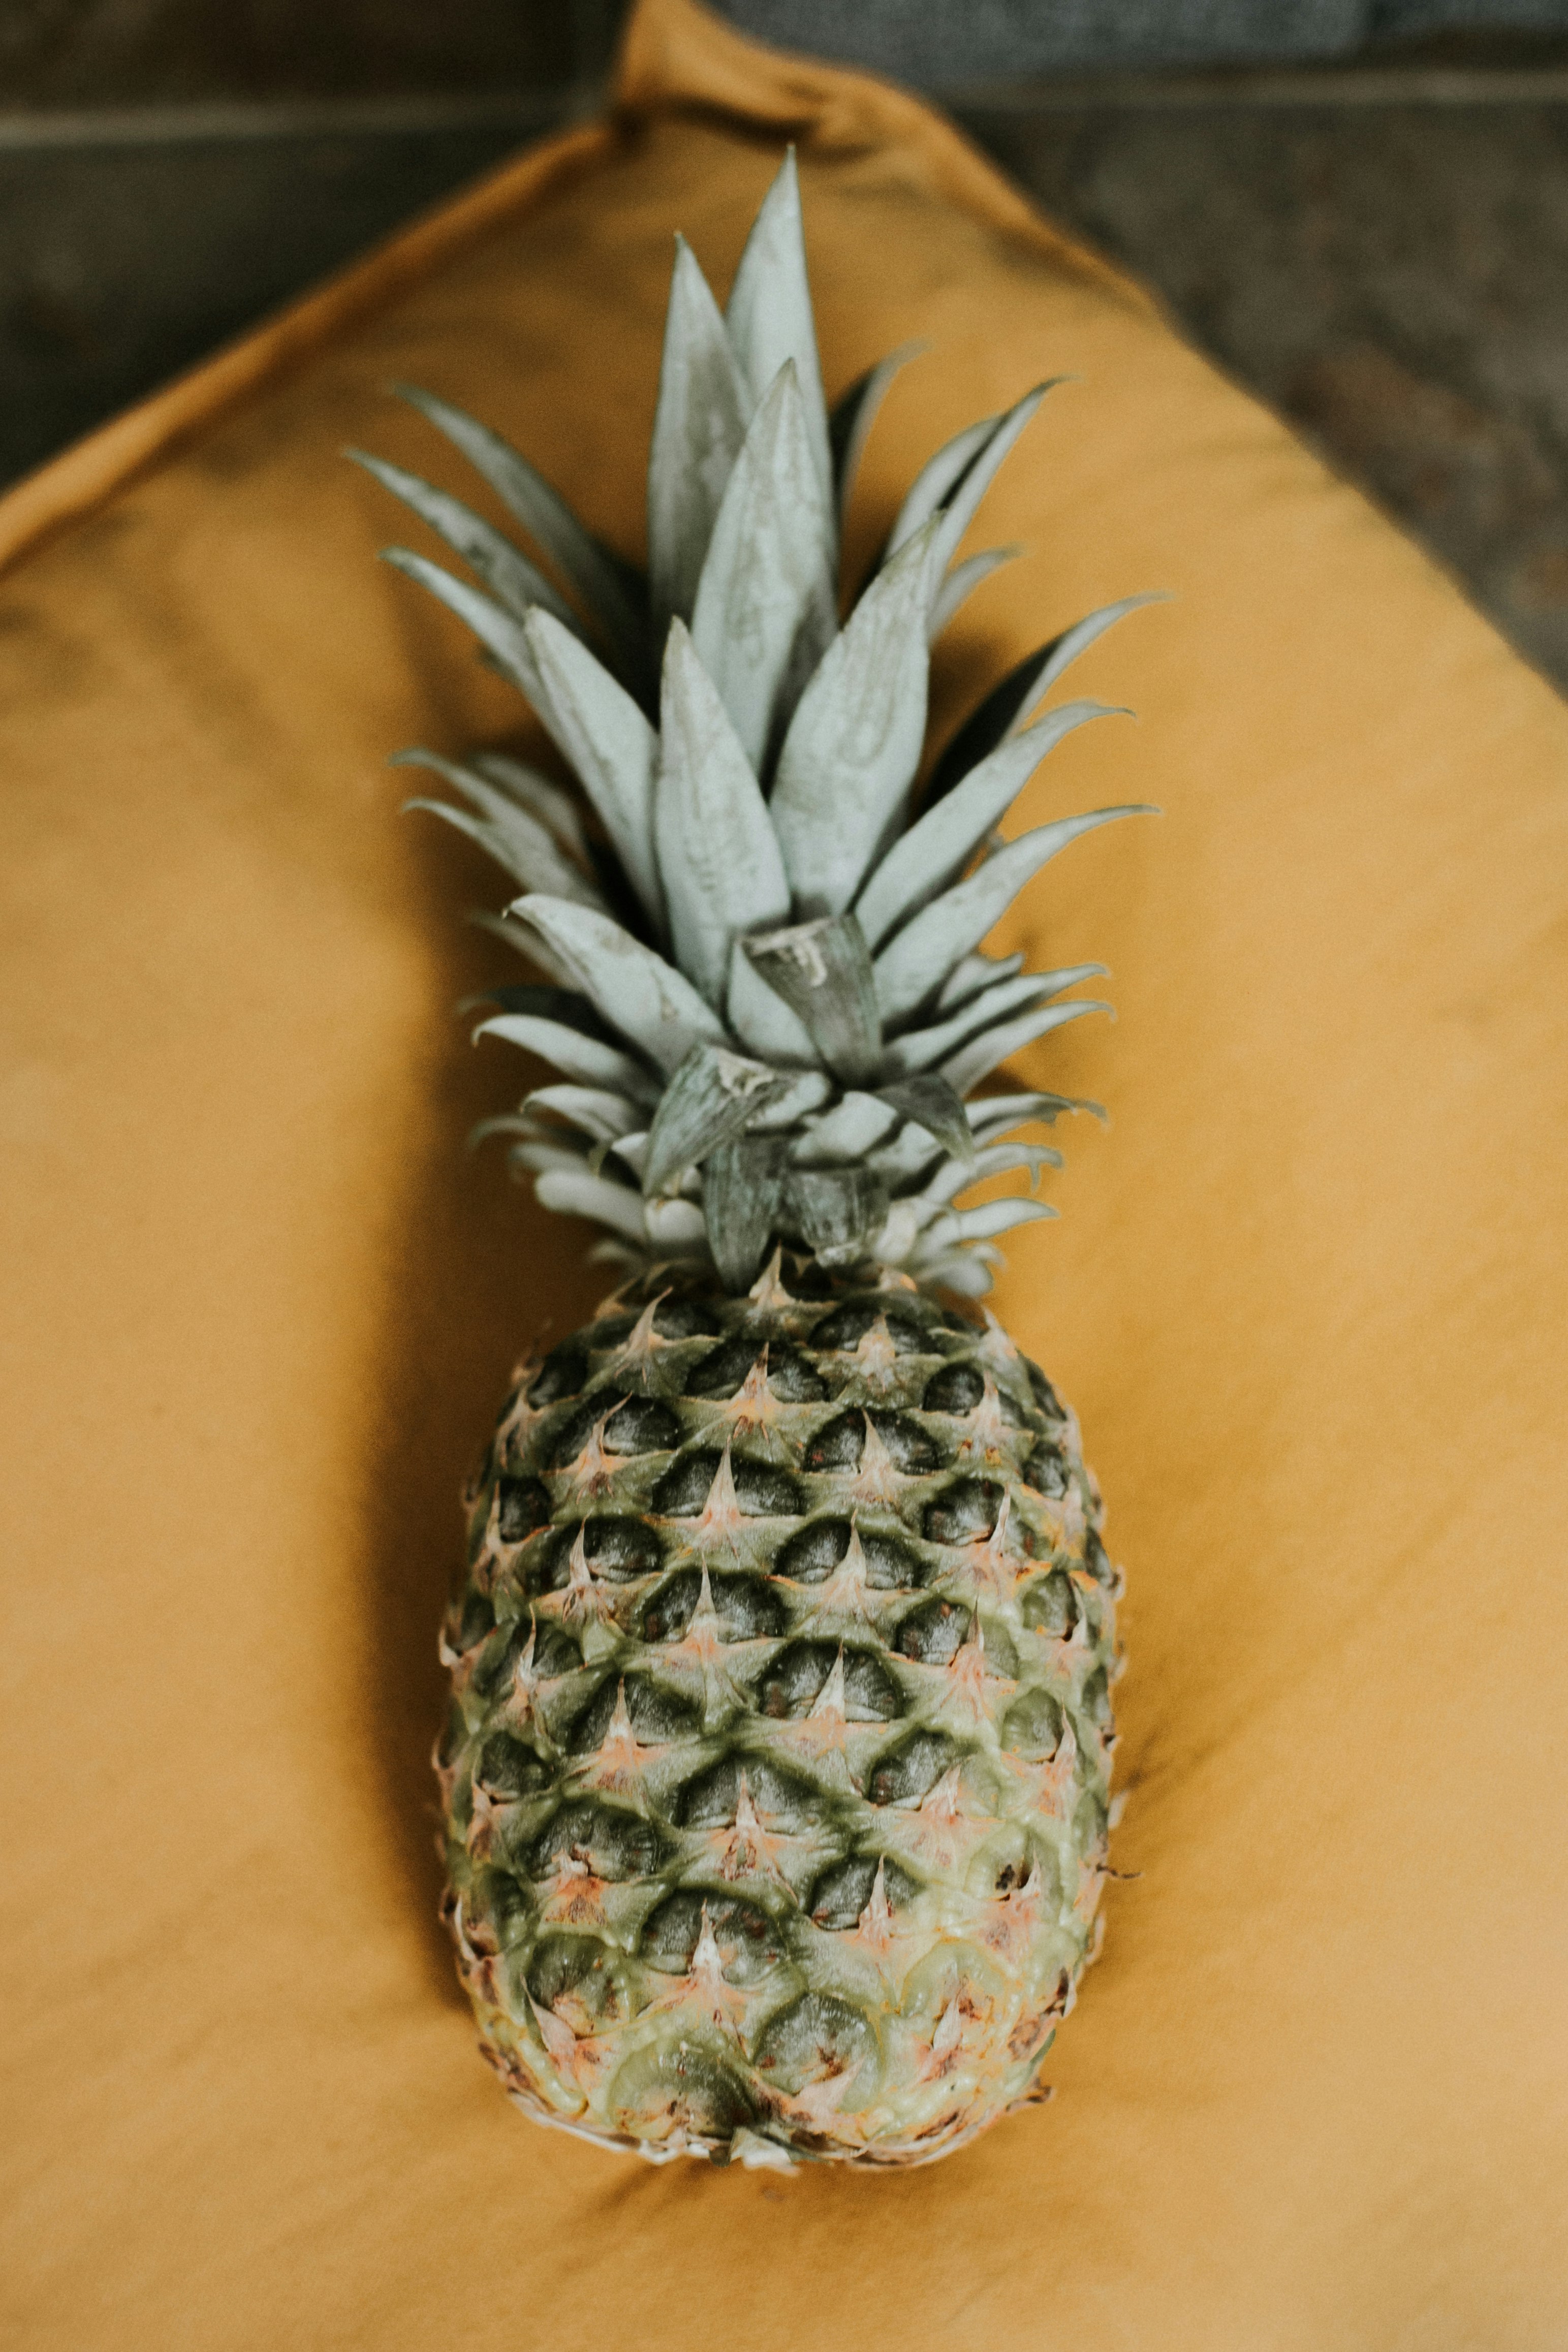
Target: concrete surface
x=1395, y=278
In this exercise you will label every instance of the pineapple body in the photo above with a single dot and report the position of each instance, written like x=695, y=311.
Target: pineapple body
x=776, y=1769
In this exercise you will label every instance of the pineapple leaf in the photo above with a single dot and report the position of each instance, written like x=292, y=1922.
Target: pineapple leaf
x=962, y=581
x=503, y=829
x=743, y=1183
x=536, y=864
x=1008, y=704
x=804, y=1091
x=853, y=414
x=555, y=807
x=768, y=315
x=610, y=744
x=854, y=743
x=765, y=608
x=640, y=996
x=568, y=1005
x=835, y=1209
x=992, y=1217
x=940, y=842
x=823, y=972
x=503, y=638
x=525, y=943
x=763, y=1021
x=920, y=957
x=934, y=1104
x=508, y=574
x=580, y=1193
x=699, y=424
x=972, y=974
x=929, y=1049
x=855, y=1125
x=717, y=853
x=959, y=507
x=710, y=1099
x=596, y=575
x=908, y=1158
x=983, y=1052
x=595, y=1112
x=996, y=1160
x=539, y=1151
x=675, y=1227
x=585, y=1059
x=936, y=482
x=994, y=1115
x=503, y=1123
x=967, y=1271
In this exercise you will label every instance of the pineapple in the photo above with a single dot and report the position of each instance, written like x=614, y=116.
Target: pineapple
x=775, y=1777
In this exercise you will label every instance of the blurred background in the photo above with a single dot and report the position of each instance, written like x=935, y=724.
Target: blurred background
x=1359, y=207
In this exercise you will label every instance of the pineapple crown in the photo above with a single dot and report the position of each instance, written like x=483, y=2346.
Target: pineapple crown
x=765, y=993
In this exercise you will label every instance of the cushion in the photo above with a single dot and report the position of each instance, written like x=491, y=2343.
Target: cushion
x=1307, y=1293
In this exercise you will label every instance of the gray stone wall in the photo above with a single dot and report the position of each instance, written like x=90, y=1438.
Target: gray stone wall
x=972, y=40
x=73, y=53
x=123, y=52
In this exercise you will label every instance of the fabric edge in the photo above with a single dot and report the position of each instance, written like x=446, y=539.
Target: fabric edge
x=676, y=57
x=89, y=472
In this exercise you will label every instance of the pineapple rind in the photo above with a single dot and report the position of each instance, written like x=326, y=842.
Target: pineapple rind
x=753, y=1853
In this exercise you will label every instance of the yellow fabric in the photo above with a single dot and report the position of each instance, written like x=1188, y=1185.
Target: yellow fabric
x=1307, y=1295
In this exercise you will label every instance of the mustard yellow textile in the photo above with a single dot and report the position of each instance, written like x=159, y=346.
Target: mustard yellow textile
x=1307, y=1295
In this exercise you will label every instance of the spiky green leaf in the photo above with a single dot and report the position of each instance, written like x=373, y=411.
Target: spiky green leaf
x=940, y=842
x=995, y=1159
x=711, y=1097
x=835, y=1209
x=717, y=853
x=936, y=481
x=503, y=638
x=852, y=416
x=934, y=1104
x=855, y=1125
x=1006, y=708
x=584, y=1059
x=641, y=997
x=907, y=1157
x=919, y=958
x=769, y=316
x=853, y=744
x=962, y=581
x=578, y=1192
x=510, y=578
x=699, y=424
x=990, y=1048
x=932, y=1048
x=975, y=972
x=588, y=568
x=505, y=831
x=553, y=806
x=597, y=1113
x=959, y=507
x=992, y=1217
x=762, y=1020
x=602, y=732
x=765, y=611
x=823, y=972
x=743, y=1183
x=994, y=1115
